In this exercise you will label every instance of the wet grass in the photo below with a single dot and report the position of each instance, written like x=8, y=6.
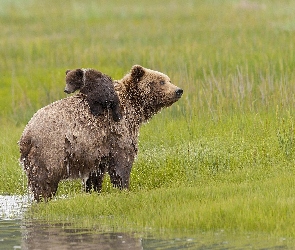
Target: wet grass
x=220, y=158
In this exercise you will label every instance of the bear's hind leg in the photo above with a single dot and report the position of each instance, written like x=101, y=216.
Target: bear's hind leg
x=43, y=191
x=42, y=186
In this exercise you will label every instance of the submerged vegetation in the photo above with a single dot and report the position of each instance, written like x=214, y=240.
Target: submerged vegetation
x=220, y=158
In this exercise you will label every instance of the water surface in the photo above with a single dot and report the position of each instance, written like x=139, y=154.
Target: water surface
x=19, y=233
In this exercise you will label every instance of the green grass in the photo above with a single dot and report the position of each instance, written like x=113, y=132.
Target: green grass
x=210, y=206
x=220, y=158
x=234, y=175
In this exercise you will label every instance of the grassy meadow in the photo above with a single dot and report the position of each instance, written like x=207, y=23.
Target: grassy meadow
x=221, y=158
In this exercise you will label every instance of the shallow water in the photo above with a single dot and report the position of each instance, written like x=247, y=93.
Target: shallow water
x=13, y=206
x=17, y=233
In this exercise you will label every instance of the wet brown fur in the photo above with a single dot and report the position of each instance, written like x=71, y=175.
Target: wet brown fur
x=65, y=140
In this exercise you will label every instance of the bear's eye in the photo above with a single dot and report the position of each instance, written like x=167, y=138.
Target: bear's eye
x=162, y=82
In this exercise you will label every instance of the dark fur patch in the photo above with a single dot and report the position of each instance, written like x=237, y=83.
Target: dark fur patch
x=98, y=89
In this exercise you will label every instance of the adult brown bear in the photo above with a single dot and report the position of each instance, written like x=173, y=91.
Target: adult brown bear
x=65, y=140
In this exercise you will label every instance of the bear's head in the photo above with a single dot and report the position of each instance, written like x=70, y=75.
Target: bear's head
x=98, y=89
x=150, y=90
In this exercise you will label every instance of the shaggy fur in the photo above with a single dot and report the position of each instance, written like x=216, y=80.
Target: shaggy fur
x=65, y=140
x=98, y=88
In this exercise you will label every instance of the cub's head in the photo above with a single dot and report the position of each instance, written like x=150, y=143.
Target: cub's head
x=74, y=80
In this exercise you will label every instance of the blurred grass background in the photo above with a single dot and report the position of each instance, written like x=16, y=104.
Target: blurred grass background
x=233, y=127
x=232, y=56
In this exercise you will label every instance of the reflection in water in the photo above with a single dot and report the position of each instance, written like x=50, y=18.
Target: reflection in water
x=60, y=236
x=10, y=234
x=11, y=211
x=18, y=233
x=33, y=235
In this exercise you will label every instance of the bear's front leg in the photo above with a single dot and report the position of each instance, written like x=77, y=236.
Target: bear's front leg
x=120, y=168
x=95, y=179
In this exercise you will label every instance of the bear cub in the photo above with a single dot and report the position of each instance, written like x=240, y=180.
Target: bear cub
x=98, y=89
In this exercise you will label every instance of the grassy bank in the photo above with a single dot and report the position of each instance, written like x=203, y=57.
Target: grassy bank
x=246, y=207
x=220, y=158
x=235, y=176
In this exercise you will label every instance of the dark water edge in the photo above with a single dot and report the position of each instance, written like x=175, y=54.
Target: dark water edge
x=19, y=233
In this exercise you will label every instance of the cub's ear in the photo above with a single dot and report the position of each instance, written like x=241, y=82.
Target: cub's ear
x=67, y=71
x=137, y=72
x=79, y=72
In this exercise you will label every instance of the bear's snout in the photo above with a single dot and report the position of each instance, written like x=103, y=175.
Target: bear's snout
x=178, y=93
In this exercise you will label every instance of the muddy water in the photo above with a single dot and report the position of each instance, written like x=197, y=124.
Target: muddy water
x=17, y=233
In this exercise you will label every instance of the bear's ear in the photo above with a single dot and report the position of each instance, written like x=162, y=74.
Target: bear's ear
x=67, y=71
x=137, y=72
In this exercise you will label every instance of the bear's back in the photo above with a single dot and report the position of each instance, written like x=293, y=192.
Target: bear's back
x=67, y=118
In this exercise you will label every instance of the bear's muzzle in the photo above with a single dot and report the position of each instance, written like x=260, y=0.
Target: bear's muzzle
x=178, y=93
